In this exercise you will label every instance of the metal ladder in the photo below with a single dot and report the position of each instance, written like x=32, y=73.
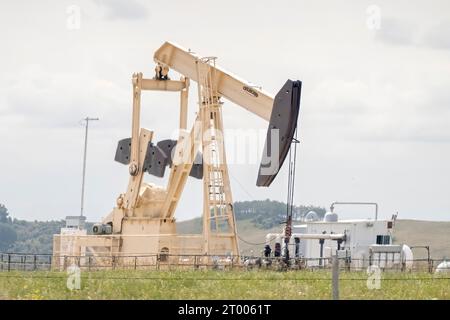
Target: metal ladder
x=219, y=220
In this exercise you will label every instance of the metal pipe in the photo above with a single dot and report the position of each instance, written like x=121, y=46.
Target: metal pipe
x=321, y=241
x=297, y=247
x=318, y=236
x=430, y=268
x=357, y=203
x=339, y=242
x=87, y=119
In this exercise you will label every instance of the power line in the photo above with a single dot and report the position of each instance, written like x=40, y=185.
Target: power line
x=255, y=244
x=242, y=187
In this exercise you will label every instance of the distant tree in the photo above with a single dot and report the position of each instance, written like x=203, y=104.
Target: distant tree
x=7, y=236
x=35, y=236
x=267, y=213
x=4, y=214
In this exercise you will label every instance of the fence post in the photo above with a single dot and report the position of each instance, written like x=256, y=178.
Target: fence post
x=335, y=276
x=34, y=262
x=168, y=262
x=89, y=263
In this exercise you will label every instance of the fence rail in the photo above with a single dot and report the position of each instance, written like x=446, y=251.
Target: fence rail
x=46, y=262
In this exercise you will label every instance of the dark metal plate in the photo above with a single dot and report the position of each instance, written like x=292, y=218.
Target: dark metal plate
x=155, y=161
x=197, y=167
x=123, y=151
x=167, y=146
x=157, y=157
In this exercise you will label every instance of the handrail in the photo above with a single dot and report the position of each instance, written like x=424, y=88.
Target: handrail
x=357, y=203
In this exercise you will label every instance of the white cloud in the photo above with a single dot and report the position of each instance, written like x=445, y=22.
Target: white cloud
x=398, y=31
x=123, y=10
x=438, y=35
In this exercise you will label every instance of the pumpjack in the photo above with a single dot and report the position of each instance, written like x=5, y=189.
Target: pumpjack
x=143, y=219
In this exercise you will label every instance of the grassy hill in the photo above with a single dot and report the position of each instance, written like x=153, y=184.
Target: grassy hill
x=435, y=234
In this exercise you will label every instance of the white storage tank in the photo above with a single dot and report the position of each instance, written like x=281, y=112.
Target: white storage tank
x=408, y=257
x=330, y=217
x=311, y=216
x=444, y=266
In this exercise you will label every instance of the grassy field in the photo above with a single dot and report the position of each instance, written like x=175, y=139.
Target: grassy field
x=244, y=285
x=219, y=285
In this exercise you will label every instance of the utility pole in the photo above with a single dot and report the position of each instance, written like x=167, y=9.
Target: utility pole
x=87, y=119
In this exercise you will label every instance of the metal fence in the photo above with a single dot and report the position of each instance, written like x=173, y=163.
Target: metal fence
x=47, y=262
x=25, y=262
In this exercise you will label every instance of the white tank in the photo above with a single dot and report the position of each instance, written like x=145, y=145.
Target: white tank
x=407, y=257
x=330, y=217
x=444, y=266
x=311, y=216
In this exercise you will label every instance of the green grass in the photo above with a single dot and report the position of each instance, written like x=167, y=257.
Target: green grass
x=219, y=285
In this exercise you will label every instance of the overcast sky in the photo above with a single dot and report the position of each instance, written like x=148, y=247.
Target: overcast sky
x=375, y=111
